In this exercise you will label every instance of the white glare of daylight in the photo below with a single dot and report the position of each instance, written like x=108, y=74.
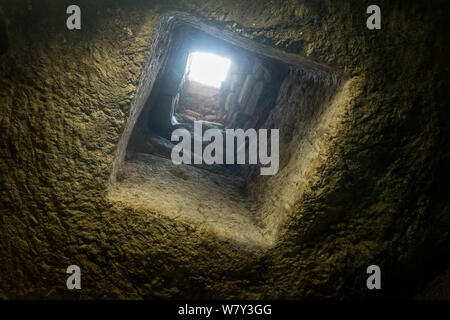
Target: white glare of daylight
x=207, y=68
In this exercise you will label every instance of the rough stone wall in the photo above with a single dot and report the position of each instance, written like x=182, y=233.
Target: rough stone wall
x=307, y=112
x=198, y=101
x=249, y=92
x=378, y=194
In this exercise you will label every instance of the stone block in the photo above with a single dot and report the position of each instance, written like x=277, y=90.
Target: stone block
x=230, y=103
x=267, y=76
x=244, y=65
x=235, y=82
x=246, y=90
x=250, y=107
x=258, y=69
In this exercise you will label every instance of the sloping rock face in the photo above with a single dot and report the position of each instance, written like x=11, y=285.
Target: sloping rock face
x=376, y=194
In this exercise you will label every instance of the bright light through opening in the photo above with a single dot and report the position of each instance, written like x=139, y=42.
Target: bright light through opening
x=207, y=68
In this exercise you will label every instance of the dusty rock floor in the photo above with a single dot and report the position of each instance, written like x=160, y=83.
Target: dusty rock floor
x=213, y=201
